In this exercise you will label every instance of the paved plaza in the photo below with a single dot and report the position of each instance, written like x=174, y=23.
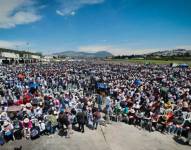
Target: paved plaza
x=118, y=136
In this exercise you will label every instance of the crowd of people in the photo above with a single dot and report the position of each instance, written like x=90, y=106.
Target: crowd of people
x=44, y=99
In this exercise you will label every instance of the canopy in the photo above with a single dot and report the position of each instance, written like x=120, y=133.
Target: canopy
x=101, y=86
x=174, y=65
x=33, y=85
x=137, y=82
x=183, y=65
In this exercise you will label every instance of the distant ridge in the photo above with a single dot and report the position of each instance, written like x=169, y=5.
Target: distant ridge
x=100, y=54
x=174, y=52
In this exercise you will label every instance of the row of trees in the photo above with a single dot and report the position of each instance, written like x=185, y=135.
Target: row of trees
x=179, y=56
x=128, y=56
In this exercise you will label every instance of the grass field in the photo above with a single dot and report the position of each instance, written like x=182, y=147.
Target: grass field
x=154, y=61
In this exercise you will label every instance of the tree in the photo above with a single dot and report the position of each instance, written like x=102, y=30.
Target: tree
x=187, y=54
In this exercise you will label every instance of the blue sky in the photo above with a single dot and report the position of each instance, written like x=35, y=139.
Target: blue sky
x=118, y=26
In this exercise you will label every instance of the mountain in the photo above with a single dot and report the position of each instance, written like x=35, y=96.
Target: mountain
x=100, y=54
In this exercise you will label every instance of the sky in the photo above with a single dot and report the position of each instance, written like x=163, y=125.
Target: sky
x=118, y=26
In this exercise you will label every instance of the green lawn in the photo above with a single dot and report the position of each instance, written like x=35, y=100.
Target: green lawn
x=155, y=61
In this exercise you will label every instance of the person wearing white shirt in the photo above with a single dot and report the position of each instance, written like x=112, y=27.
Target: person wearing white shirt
x=108, y=109
x=42, y=127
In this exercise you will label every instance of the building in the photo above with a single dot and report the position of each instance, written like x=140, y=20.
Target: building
x=8, y=56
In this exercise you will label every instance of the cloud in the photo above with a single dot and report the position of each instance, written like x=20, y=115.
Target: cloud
x=188, y=47
x=59, y=13
x=17, y=12
x=69, y=7
x=12, y=44
x=117, y=50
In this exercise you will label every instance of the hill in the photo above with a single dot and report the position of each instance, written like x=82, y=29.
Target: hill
x=101, y=54
x=175, y=52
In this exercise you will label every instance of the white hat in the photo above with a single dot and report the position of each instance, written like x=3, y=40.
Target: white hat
x=3, y=114
x=137, y=106
x=22, y=105
x=55, y=113
x=28, y=105
x=26, y=120
x=89, y=103
x=132, y=111
x=5, y=124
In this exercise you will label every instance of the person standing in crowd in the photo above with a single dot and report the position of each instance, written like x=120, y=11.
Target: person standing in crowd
x=108, y=108
x=99, y=101
x=8, y=131
x=81, y=119
x=96, y=118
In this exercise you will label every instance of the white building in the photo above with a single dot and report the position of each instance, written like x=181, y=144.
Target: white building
x=35, y=56
x=9, y=55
